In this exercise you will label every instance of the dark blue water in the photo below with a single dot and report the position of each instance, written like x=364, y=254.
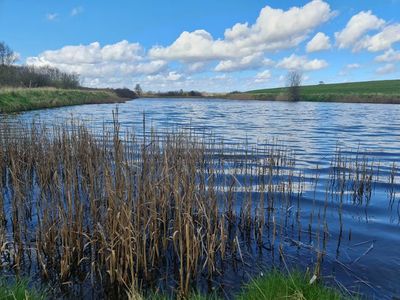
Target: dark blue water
x=368, y=258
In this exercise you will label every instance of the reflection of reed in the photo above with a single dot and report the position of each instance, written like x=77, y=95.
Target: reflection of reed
x=125, y=210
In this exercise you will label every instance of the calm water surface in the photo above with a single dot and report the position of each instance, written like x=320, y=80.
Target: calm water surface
x=369, y=255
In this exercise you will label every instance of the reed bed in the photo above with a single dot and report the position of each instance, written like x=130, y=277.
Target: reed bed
x=116, y=213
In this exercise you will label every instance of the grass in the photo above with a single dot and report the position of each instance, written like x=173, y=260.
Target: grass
x=19, y=290
x=295, y=286
x=21, y=99
x=383, y=91
x=274, y=285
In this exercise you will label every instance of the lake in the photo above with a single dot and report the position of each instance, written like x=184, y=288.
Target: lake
x=364, y=254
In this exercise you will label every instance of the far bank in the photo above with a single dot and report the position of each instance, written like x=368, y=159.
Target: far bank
x=382, y=91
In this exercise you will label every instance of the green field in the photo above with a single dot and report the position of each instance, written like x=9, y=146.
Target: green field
x=384, y=91
x=20, y=99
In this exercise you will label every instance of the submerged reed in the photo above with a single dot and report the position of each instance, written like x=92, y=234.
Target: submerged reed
x=123, y=213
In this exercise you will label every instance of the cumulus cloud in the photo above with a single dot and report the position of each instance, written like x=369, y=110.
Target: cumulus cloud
x=274, y=29
x=94, y=61
x=196, y=67
x=386, y=69
x=91, y=54
x=295, y=62
x=356, y=27
x=382, y=40
x=170, y=76
x=389, y=56
x=263, y=76
x=196, y=55
x=318, y=43
x=254, y=61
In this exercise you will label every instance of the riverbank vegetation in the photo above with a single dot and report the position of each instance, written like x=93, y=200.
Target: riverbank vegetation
x=105, y=213
x=271, y=286
x=295, y=285
x=19, y=290
x=175, y=94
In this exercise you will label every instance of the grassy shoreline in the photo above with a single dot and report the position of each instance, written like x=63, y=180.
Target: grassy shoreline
x=379, y=92
x=273, y=285
x=24, y=99
x=382, y=91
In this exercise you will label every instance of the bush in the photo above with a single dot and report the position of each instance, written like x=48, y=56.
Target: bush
x=125, y=93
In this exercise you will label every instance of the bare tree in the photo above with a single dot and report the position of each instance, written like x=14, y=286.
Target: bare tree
x=138, y=90
x=7, y=55
x=293, y=81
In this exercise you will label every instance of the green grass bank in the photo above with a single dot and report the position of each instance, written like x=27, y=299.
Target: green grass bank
x=274, y=285
x=21, y=99
x=383, y=91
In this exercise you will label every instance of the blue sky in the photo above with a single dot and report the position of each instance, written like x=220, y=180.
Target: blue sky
x=206, y=45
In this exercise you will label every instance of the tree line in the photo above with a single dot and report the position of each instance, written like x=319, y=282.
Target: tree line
x=12, y=75
x=179, y=93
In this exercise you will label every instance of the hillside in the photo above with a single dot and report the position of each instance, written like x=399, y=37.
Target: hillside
x=384, y=91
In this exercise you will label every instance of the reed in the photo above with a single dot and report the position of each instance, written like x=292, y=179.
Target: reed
x=123, y=213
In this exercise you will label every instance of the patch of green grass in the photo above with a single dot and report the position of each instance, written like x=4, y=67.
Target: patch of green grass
x=19, y=290
x=276, y=285
x=20, y=99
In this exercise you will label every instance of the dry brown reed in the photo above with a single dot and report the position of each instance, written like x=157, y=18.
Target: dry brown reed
x=123, y=213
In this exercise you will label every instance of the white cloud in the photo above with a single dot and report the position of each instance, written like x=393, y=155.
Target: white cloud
x=295, y=62
x=382, y=40
x=274, y=29
x=97, y=64
x=93, y=53
x=319, y=42
x=348, y=68
x=389, y=56
x=357, y=26
x=353, y=66
x=254, y=61
x=76, y=11
x=386, y=69
x=171, y=76
x=196, y=67
x=52, y=16
x=263, y=76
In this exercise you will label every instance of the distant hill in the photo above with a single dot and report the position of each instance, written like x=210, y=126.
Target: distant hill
x=383, y=91
x=364, y=87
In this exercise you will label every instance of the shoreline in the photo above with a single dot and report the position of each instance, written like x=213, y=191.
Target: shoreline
x=367, y=99
x=250, y=97
x=14, y=100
